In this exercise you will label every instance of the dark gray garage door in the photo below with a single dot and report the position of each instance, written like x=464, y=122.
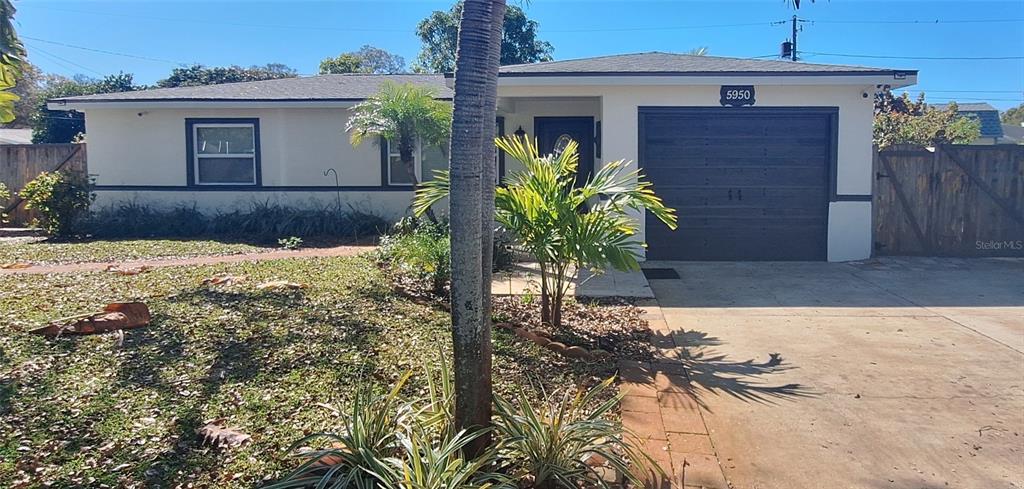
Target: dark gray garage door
x=748, y=183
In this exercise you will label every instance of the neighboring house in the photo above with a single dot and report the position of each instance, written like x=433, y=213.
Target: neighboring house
x=764, y=159
x=15, y=136
x=991, y=126
x=1013, y=134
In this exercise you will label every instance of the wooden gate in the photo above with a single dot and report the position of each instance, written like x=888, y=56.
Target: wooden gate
x=956, y=200
x=20, y=163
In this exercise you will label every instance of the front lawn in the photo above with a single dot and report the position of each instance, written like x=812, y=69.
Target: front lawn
x=39, y=251
x=85, y=411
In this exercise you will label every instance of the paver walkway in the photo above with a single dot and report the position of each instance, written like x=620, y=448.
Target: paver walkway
x=661, y=409
x=197, y=260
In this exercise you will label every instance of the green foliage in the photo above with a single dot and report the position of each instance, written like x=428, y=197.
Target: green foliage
x=440, y=31
x=367, y=59
x=197, y=75
x=390, y=444
x=420, y=252
x=898, y=120
x=58, y=126
x=5, y=196
x=28, y=88
x=1013, y=115
x=551, y=444
x=12, y=61
x=62, y=199
x=290, y=243
x=261, y=222
x=561, y=225
x=402, y=114
x=343, y=63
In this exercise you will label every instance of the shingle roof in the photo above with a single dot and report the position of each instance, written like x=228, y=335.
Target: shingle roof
x=346, y=87
x=991, y=126
x=654, y=63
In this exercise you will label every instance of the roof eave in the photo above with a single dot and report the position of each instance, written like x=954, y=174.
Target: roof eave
x=206, y=103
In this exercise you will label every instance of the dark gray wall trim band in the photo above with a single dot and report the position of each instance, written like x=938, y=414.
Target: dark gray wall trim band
x=243, y=189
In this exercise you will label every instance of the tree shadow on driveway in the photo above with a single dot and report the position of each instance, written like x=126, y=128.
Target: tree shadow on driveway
x=698, y=367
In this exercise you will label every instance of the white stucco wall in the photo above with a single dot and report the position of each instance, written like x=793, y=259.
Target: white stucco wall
x=297, y=146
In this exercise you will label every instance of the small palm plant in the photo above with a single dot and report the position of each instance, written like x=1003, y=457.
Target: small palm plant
x=402, y=114
x=565, y=227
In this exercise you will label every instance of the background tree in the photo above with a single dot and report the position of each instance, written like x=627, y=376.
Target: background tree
x=439, y=34
x=367, y=59
x=343, y=63
x=58, y=126
x=197, y=75
x=1014, y=115
x=12, y=60
x=898, y=120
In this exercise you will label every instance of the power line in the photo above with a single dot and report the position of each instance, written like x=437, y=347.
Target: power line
x=920, y=22
x=972, y=98
x=668, y=28
x=972, y=91
x=61, y=60
x=103, y=51
x=949, y=58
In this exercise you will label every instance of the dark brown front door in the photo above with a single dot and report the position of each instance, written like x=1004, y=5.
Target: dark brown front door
x=580, y=129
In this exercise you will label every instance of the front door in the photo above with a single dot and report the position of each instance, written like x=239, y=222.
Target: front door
x=581, y=129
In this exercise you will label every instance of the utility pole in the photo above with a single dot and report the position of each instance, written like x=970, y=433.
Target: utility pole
x=793, y=53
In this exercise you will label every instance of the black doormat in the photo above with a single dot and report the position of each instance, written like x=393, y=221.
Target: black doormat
x=660, y=273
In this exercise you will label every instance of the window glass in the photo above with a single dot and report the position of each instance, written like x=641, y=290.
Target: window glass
x=225, y=154
x=434, y=159
x=226, y=170
x=398, y=175
x=225, y=140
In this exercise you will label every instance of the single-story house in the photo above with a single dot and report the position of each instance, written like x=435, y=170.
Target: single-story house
x=763, y=159
x=987, y=115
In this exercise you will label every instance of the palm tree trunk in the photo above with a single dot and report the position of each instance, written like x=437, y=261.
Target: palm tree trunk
x=487, y=176
x=472, y=355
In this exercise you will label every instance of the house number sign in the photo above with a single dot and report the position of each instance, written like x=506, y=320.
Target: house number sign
x=737, y=95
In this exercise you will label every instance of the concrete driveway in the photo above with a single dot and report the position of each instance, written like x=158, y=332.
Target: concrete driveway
x=892, y=373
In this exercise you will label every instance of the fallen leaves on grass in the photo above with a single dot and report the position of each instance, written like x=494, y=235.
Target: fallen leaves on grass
x=127, y=270
x=224, y=279
x=281, y=285
x=114, y=316
x=216, y=432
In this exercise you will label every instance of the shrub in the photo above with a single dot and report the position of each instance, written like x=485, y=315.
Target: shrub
x=423, y=255
x=553, y=445
x=262, y=222
x=562, y=225
x=390, y=444
x=63, y=200
x=290, y=243
x=5, y=195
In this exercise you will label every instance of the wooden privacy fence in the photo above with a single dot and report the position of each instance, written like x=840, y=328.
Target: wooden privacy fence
x=955, y=200
x=20, y=163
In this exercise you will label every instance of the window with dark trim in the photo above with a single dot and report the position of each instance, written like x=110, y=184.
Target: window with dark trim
x=223, y=152
x=427, y=160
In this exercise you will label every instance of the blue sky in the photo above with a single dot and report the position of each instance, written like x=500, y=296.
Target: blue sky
x=160, y=34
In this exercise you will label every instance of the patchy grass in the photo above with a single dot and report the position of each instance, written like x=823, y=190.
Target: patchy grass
x=83, y=411
x=46, y=251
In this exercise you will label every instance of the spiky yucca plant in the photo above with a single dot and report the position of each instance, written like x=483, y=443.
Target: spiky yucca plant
x=552, y=443
x=562, y=225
